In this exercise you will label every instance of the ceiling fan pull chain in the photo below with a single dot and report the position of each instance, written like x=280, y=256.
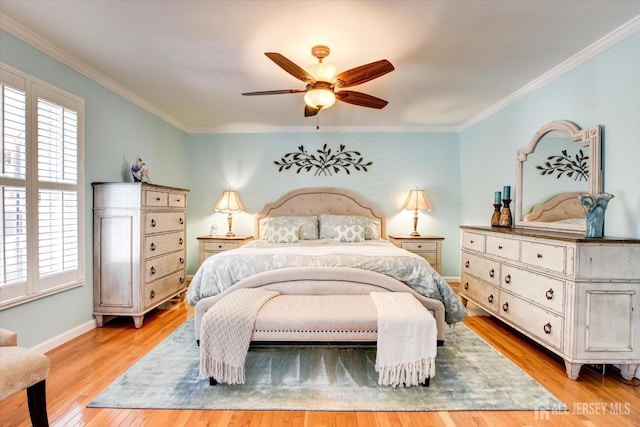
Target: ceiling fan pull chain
x=317, y=121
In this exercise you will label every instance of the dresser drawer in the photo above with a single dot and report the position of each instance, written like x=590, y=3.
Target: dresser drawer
x=159, y=222
x=542, y=290
x=480, y=293
x=473, y=241
x=163, y=288
x=503, y=247
x=485, y=269
x=166, y=264
x=177, y=200
x=160, y=244
x=545, y=325
x=156, y=198
x=542, y=255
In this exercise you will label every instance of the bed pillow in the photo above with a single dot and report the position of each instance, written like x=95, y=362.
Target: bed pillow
x=287, y=234
x=307, y=226
x=328, y=224
x=349, y=234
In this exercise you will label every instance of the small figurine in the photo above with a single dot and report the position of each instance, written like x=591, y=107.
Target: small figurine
x=140, y=171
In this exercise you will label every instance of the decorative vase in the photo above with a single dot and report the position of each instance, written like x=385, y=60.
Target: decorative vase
x=505, y=214
x=594, y=206
x=495, y=218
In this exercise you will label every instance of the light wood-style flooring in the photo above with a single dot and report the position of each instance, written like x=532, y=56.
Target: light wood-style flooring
x=85, y=366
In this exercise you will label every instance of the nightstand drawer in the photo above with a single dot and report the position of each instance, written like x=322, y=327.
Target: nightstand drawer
x=419, y=246
x=220, y=246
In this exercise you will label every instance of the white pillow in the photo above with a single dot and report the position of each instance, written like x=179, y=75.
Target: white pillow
x=328, y=224
x=283, y=234
x=349, y=234
x=307, y=226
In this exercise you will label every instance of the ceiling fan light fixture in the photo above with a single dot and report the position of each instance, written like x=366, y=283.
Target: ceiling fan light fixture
x=323, y=72
x=320, y=98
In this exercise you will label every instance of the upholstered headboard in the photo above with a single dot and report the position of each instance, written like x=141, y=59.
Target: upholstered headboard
x=317, y=200
x=564, y=206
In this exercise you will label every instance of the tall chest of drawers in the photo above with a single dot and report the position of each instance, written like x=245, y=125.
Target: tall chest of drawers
x=577, y=297
x=139, y=249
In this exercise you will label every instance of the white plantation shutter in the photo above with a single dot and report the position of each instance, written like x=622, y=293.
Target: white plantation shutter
x=41, y=189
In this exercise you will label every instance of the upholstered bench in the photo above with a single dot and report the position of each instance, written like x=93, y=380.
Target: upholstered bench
x=317, y=319
x=22, y=368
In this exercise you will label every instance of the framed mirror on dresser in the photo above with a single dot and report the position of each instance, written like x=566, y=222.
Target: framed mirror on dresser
x=577, y=296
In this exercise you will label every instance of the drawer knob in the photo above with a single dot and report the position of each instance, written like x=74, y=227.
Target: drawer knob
x=181, y=280
x=490, y=299
x=539, y=256
x=219, y=246
x=153, y=270
x=492, y=273
x=547, y=328
x=181, y=241
x=505, y=307
x=466, y=264
x=419, y=246
x=153, y=294
x=466, y=286
x=507, y=278
x=471, y=241
x=153, y=222
x=153, y=246
x=181, y=221
x=178, y=200
x=549, y=294
x=157, y=199
x=181, y=260
x=499, y=247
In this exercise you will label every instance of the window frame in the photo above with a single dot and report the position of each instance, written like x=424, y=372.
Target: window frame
x=36, y=285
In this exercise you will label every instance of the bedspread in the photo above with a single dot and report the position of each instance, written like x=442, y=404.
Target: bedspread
x=225, y=269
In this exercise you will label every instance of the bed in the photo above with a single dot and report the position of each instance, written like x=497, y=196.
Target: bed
x=312, y=263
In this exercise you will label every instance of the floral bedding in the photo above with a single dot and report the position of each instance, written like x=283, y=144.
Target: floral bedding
x=223, y=270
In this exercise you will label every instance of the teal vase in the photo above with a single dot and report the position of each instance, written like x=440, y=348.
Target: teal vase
x=594, y=206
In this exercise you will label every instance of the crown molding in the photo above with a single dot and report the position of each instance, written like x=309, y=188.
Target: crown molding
x=12, y=27
x=325, y=129
x=611, y=39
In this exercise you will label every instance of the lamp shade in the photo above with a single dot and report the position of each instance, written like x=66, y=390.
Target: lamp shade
x=417, y=200
x=229, y=201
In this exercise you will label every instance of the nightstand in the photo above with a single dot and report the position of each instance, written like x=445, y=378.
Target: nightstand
x=428, y=247
x=211, y=245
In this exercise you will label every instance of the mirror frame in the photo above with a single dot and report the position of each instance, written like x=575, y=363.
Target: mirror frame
x=589, y=137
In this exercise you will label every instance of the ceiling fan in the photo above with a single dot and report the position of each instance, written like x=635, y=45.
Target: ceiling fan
x=321, y=80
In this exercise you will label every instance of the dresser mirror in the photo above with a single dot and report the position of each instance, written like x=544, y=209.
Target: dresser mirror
x=560, y=162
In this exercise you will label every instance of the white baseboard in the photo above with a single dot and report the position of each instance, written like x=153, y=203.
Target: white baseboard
x=65, y=337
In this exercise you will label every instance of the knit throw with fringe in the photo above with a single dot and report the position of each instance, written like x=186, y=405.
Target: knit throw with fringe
x=226, y=334
x=407, y=340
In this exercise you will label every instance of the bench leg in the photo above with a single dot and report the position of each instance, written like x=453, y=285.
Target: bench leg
x=37, y=400
x=426, y=382
x=212, y=381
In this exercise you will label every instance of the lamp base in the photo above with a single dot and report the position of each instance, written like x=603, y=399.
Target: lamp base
x=414, y=234
x=230, y=234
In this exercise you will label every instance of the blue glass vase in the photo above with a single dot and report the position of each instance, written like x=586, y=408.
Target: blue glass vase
x=594, y=206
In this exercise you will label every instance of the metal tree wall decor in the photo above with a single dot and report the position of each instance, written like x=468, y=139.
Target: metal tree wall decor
x=564, y=164
x=324, y=161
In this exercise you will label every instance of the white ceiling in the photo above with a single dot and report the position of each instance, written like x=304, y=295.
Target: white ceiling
x=189, y=61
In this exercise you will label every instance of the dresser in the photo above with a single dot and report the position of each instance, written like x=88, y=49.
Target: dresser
x=211, y=245
x=577, y=297
x=428, y=247
x=139, y=248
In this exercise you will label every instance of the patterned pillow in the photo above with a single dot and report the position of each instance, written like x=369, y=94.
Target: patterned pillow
x=283, y=234
x=307, y=226
x=328, y=224
x=349, y=234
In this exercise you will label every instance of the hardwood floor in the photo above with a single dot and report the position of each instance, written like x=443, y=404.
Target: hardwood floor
x=82, y=368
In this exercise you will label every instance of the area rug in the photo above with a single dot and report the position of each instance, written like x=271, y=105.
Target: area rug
x=470, y=376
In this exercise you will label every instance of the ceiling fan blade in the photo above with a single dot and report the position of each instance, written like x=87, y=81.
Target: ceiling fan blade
x=291, y=68
x=273, y=92
x=361, y=99
x=310, y=111
x=363, y=73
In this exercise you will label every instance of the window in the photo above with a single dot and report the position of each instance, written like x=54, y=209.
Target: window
x=41, y=182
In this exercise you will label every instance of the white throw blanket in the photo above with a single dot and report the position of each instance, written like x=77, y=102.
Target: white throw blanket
x=407, y=340
x=226, y=334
